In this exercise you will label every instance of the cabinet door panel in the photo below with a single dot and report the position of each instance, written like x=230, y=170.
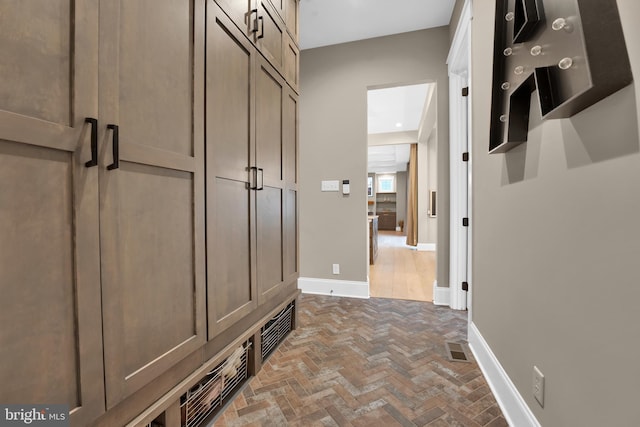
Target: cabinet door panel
x=290, y=144
x=269, y=150
x=240, y=13
x=269, y=206
x=291, y=63
x=36, y=59
x=51, y=343
x=151, y=207
x=270, y=200
x=230, y=125
x=291, y=17
x=155, y=95
x=269, y=37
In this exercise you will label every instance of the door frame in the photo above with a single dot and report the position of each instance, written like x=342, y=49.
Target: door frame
x=459, y=69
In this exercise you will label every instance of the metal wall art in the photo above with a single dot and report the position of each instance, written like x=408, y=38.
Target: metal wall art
x=571, y=51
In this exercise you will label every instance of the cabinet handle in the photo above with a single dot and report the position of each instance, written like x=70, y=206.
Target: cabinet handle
x=94, y=142
x=116, y=148
x=261, y=173
x=261, y=19
x=253, y=184
x=255, y=21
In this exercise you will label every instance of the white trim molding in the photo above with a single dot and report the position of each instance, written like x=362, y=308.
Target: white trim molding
x=458, y=62
x=514, y=408
x=426, y=247
x=337, y=288
x=441, y=295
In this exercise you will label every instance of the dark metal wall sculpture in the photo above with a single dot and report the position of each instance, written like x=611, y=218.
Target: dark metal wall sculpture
x=571, y=51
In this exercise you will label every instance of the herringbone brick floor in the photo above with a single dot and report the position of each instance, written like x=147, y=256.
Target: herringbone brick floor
x=376, y=362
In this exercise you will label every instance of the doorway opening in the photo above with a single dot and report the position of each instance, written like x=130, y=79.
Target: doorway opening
x=402, y=175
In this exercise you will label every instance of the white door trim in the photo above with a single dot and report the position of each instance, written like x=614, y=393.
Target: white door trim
x=459, y=63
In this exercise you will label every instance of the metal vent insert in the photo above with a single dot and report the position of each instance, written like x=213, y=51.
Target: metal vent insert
x=457, y=352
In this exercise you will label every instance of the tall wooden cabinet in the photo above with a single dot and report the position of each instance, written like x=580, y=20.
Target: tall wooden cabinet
x=251, y=147
x=148, y=192
x=50, y=318
x=151, y=204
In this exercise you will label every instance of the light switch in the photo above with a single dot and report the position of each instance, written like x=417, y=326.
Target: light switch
x=333, y=185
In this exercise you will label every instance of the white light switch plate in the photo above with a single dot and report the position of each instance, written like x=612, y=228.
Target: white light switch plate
x=333, y=185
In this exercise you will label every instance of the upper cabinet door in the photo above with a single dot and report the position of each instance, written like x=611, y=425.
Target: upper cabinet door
x=291, y=18
x=151, y=188
x=231, y=177
x=268, y=35
x=50, y=339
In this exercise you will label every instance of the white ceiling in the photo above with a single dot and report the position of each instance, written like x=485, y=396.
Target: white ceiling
x=388, y=158
x=395, y=109
x=327, y=22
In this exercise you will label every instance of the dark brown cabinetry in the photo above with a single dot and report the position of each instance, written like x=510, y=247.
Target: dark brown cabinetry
x=50, y=339
x=130, y=242
x=151, y=205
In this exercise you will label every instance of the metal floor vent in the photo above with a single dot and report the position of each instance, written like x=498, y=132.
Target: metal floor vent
x=457, y=352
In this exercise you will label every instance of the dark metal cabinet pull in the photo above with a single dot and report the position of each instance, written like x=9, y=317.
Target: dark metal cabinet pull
x=94, y=142
x=255, y=21
x=253, y=184
x=261, y=174
x=116, y=148
x=261, y=19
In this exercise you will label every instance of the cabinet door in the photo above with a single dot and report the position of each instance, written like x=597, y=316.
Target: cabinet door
x=291, y=17
x=242, y=12
x=290, y=217
x=230, y=141
x=291, y=62
x=152, y=204
x=50, y=339
x=271, y=187
x=269, y=34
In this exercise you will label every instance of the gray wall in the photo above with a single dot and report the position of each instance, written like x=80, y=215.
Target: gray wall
x=333, y=141
x=556, y=247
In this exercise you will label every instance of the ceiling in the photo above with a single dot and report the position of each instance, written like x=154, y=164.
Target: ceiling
x=395, y=109
x=327, y=22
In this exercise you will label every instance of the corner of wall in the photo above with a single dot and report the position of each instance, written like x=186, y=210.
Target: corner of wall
x=441, y=294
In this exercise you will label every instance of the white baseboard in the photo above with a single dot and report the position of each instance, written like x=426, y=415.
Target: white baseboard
x=338, y=288
x=426, y=247
x=441, y=295
x=514, y=408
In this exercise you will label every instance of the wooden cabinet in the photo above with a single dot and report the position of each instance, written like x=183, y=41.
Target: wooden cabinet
x=231, y=178
x=373, y=239
x=271, y=26
x=386, y=210
x=49, y=250
x=151, y=205
x=251, y=172
x=118, y=266
x=387, y=221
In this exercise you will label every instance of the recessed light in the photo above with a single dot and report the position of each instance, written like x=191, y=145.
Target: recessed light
x=398, y=125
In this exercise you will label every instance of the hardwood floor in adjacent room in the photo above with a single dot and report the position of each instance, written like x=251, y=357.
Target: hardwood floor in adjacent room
x=400, y=271
x=376, y=362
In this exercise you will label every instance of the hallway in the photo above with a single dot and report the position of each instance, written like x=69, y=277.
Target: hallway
x=376, y=362
x=400, y=271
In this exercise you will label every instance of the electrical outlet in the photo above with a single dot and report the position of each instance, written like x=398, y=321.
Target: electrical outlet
x=336, y=268
x=538, y=385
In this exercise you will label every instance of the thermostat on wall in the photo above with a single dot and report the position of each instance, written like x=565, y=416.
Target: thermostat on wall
x=345, y=186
